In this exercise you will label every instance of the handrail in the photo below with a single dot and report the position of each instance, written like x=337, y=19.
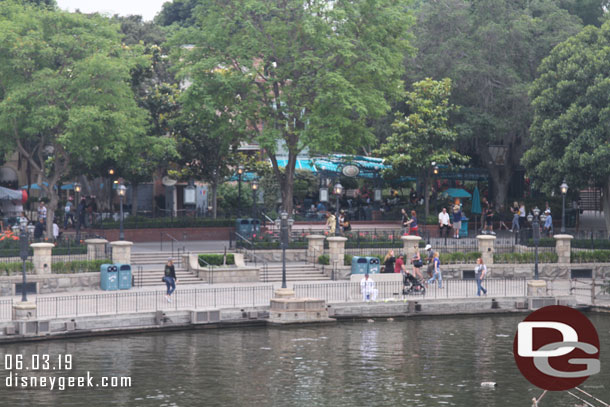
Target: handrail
x=244, y=239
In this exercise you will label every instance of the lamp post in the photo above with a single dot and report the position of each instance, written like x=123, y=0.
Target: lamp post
x=254, y=185
x=284, y=243
x=240, y=171
x=535, y=221
x=23, y=253
x=121, y=190
x=78, y=210
x=337, y=190
x=564, y=192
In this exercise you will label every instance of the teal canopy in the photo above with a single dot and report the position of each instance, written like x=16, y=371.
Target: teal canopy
x=476, y=201
x=458, y=193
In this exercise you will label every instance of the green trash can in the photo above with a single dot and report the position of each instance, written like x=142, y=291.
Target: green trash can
x=243, y=227
x=464, y=228
x=374, y=265
x=109, y=277
x=360, y=265
x=124, y=276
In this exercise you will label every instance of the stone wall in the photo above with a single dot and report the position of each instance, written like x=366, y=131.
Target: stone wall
x=53, y=283
x=545, y=270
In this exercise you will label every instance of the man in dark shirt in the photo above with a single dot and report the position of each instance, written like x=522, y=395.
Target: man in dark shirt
x=39, y=229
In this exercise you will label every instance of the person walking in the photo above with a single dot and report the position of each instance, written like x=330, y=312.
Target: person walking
x=404, y=221
x=444, y=222
x=68, y=213
x=522, y=215
x=399, y=266
x=412, y=224
x=42, y=211
x=457, y=221
x=417, y=264
x=515, y=211
x=429, y=260
x=479, y=274
x=548, y=223
x=331, y=223
x=488, y=227
x=170, y=279
x=367, y=288
x=436, y=271
x=388, y=262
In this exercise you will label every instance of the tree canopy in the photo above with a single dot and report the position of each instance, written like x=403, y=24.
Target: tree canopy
x=570, y=132
x=313, y=74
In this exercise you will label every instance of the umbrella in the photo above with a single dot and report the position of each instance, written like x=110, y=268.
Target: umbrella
x=476, y=206
x=458, y=193
x=13, y=195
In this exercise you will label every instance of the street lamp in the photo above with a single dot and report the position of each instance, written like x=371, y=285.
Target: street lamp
x=240, y=172
x=254, y=185
x=284, y=243
x=121, y=190
x=337, y=190
x=534, y=220
x=564, y=192
x=78, y=210
x=23, y=253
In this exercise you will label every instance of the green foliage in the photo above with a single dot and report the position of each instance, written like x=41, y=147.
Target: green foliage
x=524, y=258
x=77, y=266
x=570, y=130
x=325, y=259
x=16, y=267
x=590, y=256
x=459, y=257
x=347, y=259
x=140, y=222
x=216, y=259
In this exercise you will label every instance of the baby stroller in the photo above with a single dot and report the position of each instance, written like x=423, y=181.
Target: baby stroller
x=412, y=285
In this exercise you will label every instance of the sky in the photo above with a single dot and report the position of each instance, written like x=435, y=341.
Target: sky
x=146, y=8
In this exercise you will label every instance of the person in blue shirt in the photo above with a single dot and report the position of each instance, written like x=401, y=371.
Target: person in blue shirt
x=548, y=223
x=436, y=271
x=321, y=207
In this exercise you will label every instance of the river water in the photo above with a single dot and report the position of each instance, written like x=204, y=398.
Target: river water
x=416, y=362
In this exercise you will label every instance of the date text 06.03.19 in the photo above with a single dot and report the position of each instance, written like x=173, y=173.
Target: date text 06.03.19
x=37, y=362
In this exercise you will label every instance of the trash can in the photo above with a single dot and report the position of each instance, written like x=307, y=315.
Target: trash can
x=374, y=265
x=124, y=276
x=360, y=265
x=109, y=277
x=255, y=227
x=464, y=228
x=243, y=227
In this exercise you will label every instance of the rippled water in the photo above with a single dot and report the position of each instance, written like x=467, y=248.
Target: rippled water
x=417, y=362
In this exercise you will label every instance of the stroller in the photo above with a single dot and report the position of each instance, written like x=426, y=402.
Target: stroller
x=412, y=285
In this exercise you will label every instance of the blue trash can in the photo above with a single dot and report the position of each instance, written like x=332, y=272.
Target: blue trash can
x=360, y=265
x=374, y=265
x=464, y=228
x=124, y=276
x=109, y=277
x=244, y=227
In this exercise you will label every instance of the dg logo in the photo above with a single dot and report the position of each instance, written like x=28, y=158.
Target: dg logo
x=556, y=348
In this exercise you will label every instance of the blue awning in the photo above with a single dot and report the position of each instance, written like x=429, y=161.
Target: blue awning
x=458, y=193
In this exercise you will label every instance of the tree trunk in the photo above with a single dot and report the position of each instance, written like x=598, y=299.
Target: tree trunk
x=426, y=196
x=606, y=205
x=51, y=208
x=214, y=195
x=501, y=177
x=134, y=200
x=288, y=183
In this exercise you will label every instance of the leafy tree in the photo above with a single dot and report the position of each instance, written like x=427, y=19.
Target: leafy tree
x=491, y=50
x=423, y=136
x=310, y=74
x=570, y=132
x=65, y=94
x=179, y=12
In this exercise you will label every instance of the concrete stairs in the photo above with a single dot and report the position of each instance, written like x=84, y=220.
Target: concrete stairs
x=301, y=272
x=147, y=268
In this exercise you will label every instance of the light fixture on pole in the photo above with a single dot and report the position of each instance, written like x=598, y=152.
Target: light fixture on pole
x=240, y=172
x=121, y=190
x=254, y=185
x=79, y=209
x=338, y=191
x=23, y=253
x=564, y=192
x=284, y=243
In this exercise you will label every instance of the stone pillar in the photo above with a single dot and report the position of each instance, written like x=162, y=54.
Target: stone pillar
x=336, y=248
x=563, y=247
x=96, y=249
x=410, y=244
x=315, y=247
x=121, y=251
x=42, y=257
x=486, y=245
x=24, y=310
x=536, y=288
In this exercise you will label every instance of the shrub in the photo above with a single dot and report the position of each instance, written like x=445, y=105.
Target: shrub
x=15, y=267
x=594, y=256
x=324, y=259
x=215, y=259
x=521, y=258
x=459, y=257
x=347, y=259
x=78, y=266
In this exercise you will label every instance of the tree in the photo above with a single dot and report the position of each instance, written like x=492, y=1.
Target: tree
x=570, y=132
x=424, y=136
x=312, y=74
x=491, y=50
x=65, y=92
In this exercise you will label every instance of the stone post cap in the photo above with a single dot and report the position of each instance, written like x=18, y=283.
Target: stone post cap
x=410, y=238
x=563, y=237
x=42, y=245
x=536, y=283
x=120, y=243
x=336, y=239
x=315, y=237
x=486, y=237
x=96, y=241
x=24, y=305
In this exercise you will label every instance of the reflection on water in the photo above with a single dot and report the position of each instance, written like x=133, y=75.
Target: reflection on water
x=418, y=362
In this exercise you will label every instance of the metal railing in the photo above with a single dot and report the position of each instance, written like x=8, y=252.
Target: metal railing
x=210, y=269
x=147, y=301
x=172, y=240
x=452, y=289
